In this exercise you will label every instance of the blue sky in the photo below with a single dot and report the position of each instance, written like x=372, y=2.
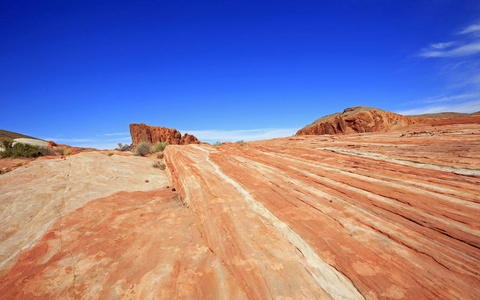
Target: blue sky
x=78, y=72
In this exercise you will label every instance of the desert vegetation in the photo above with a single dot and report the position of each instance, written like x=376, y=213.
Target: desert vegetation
x=63, y=150
x=241, y=142
x=159, y=164
x=217, y=143
x=160, y=146
x=124, y=147
x=15, y=150
x=143, y=148
x=45, y=151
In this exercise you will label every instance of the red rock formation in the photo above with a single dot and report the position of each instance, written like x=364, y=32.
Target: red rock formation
x=357, y=120
x=154, y=134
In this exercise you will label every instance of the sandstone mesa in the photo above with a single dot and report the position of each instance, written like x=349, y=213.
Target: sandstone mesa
x=382, y=207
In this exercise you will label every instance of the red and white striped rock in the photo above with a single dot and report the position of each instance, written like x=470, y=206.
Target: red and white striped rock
x=386, y=215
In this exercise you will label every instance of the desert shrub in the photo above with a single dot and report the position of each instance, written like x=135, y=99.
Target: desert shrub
x=159, y=165
x=241, y=143
x=19, y=150
x=122, y=147
x=110, y=153
x=160, y=155
x=46, y=151
x=160, y=146
x=62, y=150
x=59, y=150
x=217, y=144
x=143, y=148
x=7, y=144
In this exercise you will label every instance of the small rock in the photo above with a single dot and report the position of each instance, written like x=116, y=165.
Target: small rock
x=146, y=180
x=173, y=189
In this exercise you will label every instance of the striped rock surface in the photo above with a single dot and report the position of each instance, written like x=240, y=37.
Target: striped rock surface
x=392, y=215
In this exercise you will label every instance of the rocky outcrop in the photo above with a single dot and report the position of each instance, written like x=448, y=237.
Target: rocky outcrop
x=356, y=120
x=153, y=134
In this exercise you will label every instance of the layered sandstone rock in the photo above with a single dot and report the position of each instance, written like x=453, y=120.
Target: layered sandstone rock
x=154, y=134
x=380, y=215
x=356, y=120
x=384, y=215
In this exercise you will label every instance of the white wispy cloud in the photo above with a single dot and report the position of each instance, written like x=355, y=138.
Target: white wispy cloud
x=116, y=134
x=211, y=136
x=464, y=107
x=455, y=98
x=469, y=44
x=464, y=50
x=443, y=45
x=473, y=28
x=460, y=65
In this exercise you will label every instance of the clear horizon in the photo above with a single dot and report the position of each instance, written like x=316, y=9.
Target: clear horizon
x=79, y=73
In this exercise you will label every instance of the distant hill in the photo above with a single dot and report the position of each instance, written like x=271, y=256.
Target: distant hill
x=356, y=119
x=444, y=115
x=368, y=119
x=10, y=135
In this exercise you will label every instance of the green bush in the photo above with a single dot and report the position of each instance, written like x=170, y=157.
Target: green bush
x=217, y=144
x=7, y=144
x=19, y=150
x=159, y=165
x=143, y=148
x=241, y=143
x=160, y=146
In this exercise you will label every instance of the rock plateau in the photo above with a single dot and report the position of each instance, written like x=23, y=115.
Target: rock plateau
x=154, y=134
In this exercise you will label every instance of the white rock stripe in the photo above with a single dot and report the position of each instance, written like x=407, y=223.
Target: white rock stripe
x=390, y=182
x=404, y=162
x=332, y=281
x=39, y=235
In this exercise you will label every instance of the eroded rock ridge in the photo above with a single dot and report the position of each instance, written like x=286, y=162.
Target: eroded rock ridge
x=153, y=134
